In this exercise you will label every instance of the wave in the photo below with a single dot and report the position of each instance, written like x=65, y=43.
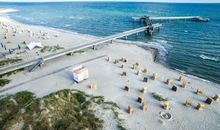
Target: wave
x=8, y=10
x=23, y=18
x=42, y=22
x=205, y=57
x=76, y=17
x=181, y=71
x=66, y=25
x=163, y=48
x=160, y=45
x=163, y=51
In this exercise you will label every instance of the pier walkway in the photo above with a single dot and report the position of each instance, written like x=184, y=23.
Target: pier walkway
x=192, y=18
x=25, y=64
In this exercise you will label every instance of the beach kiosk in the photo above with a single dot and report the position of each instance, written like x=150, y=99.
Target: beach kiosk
x=80, y=73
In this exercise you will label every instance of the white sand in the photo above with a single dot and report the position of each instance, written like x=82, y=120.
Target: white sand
x=110, y=83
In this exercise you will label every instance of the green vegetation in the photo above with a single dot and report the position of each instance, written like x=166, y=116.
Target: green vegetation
x=9, y=61
x=62, y=110
x=159, y=97
x=115, y=108
x=10, y=73
x=3, y=82
x=51, y=48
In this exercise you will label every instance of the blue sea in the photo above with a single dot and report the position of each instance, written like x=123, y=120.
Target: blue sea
x=192, y=47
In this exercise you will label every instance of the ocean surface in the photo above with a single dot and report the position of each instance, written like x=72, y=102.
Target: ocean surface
x=192, y=47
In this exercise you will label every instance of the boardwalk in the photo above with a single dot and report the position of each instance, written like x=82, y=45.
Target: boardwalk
x=25, y=64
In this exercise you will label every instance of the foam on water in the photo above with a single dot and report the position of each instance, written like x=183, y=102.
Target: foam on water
x=160, y=46
x=205, y=57
x=75, y=17
x=66, y=25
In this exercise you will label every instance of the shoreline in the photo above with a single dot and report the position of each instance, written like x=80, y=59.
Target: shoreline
x=156, y=56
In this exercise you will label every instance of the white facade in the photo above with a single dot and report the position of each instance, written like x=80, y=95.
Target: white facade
x=80, y=73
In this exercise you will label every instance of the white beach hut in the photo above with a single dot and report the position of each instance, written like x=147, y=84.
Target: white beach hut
x=80, y=73
x=32, y=45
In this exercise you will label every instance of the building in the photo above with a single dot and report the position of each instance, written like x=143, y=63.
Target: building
x=80, y=73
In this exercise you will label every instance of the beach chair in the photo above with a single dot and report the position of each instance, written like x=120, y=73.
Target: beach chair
x=138, y=72
x=145, y=79
x=144, y=107
x=174, y=88
x=124, y=73
x=200, y=107
x=116, y=61
x=123, y=59
x=154, y=77
x=169, y=81
x=144, y=70
x=130, y=110
x=109, y=59
x=93, y=86
x=216, y=97
x=209, y=100
x=144, y=90
x=189, y=103
x=137, y=64
x=127, y=88
x=184, y=83
x=199, y=91
x=140, y=99
x=166, y=105
x=180, y=78
x=122, y=66
x=135, y=67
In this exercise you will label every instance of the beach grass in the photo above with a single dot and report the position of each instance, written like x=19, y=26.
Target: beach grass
x=51, y=48
x=65, y=109
x=9, y=61
x=3, y=82
x=159, y=97
x=11, y=73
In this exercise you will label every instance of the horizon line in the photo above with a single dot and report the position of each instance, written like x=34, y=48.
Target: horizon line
x=110, y=1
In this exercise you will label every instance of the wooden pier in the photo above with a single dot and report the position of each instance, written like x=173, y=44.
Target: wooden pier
x=148, y=19
x=35, y=62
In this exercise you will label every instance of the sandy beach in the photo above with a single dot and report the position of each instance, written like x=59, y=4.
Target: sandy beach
x=56, y=75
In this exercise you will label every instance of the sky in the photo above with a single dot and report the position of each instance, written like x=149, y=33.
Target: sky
x=182, y=1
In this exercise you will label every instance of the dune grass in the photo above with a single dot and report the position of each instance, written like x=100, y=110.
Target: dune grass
x=63, y=110
x=3, y=77
x=9, y=61
x=51, y=48
x=159, y=97
x=3, y=82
